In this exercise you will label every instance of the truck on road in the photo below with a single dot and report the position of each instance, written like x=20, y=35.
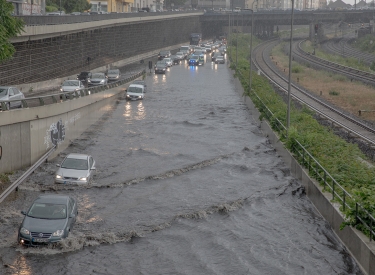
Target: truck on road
x=195, y=38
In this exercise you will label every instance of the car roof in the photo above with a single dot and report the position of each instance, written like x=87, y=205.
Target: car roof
x=136, y=85
x=77, y=156
x=56, y=199
x=5, y=87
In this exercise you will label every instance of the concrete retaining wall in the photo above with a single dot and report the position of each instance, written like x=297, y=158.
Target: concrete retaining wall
x=355, y=241
x=27, y=134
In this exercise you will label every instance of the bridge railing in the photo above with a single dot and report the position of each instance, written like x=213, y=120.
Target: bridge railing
x=35, y=20
x=37, y=101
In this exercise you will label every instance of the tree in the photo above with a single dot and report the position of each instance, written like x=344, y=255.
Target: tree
x=10, y=26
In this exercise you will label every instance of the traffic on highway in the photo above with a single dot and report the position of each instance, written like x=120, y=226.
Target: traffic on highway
x=182, y=182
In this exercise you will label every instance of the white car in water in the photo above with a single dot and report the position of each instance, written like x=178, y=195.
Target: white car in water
x=135, y=92
x=75, y=169
x=71, y=86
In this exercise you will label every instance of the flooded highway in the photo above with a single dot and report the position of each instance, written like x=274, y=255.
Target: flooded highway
x=185, y=184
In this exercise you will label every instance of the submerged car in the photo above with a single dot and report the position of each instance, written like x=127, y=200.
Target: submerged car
x=164, y=54
x=97, y=79
x=180, y=55
x=11, y=93
x=75, y=169
x=168, y=61
x=160, y=68
x=135, y=92
x=49, y=219
x=196, y=60
x=71, y=86
x=220, y=60
x=113, y=75
x=175, y=60
x=141, y=82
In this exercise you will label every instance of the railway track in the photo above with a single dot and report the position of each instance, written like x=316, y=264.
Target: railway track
x=320, y=63
x=351, y=124
x=341, y=46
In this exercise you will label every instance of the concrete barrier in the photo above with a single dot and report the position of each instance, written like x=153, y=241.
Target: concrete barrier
x=358, y=245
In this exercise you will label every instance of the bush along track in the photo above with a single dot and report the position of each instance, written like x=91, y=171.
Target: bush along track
x=342, y=160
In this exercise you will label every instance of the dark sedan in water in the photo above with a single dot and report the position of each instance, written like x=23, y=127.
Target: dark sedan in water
x=49, y=219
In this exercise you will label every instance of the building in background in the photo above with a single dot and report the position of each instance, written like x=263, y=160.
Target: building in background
x=28, y=7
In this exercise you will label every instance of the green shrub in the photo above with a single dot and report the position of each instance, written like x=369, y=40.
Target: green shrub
x=333, y=92
x=297, y=69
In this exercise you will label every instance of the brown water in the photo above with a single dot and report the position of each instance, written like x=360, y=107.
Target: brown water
x=185, y=184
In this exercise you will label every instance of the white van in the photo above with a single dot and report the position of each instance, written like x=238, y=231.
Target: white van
x=135, y=92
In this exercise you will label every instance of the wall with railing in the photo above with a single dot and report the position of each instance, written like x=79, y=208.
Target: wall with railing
x=43, y=122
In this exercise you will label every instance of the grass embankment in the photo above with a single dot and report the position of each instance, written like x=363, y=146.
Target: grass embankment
x=344, y=161
x=351, y=96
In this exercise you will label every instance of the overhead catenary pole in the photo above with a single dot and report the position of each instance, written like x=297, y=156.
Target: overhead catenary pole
x=290, y=69
x=251, y=43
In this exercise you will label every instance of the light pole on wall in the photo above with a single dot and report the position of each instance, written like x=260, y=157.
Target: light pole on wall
x=60, y=7
x=290, y=68
x=251, y=43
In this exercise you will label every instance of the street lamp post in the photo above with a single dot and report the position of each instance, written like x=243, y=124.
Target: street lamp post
x=60, y=7
x=251, y=43
x=290, y=68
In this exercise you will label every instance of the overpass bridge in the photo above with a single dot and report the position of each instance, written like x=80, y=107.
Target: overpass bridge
x=56, y=46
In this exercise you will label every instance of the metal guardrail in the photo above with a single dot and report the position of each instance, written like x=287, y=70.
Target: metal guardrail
x=30, y=102
x=15, y=184
x=319, y=173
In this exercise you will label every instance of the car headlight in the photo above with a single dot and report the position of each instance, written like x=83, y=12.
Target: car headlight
x=117, y=76
x=127, y=95
x=88, y=80
x=58, y=177
x=25, y=231
x=140, y=96
x=58, y=233
x=61, y=89
x=102, y=81
x=83, y=179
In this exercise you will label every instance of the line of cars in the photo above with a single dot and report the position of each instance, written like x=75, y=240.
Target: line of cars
x=195, y=56
x=50, y=218
x=88, y=79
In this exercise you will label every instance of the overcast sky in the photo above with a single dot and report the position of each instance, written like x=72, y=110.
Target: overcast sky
x=351, y=2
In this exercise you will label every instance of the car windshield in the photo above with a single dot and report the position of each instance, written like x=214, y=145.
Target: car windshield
x=76, y=164
x=3, y=92
x=135, y=90
x=195, y=57
x=98, y=76
x=47, y=211
x=113, y=72
x=167, y=59
x=163, y=53
x=184, y=48
x=179, y=53
x=70, y=83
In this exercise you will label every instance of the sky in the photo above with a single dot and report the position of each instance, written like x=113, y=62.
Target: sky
x=351, y=2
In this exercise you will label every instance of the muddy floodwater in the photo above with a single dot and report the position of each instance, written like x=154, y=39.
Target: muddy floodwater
x=185, y=184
